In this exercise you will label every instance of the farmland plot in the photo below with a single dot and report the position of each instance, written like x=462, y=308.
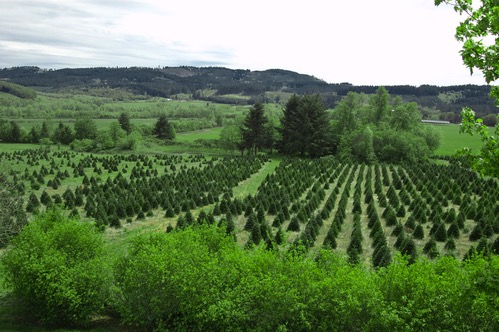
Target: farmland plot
x=368, y=212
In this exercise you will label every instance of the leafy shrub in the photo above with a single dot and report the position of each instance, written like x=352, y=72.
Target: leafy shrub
x=56, y=266
x=159, y=282
x=199, y=279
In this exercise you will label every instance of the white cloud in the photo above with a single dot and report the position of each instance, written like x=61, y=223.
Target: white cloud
x=362, y=42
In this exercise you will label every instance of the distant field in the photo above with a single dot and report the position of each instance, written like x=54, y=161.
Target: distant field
x=451, y=140
x=208, y=134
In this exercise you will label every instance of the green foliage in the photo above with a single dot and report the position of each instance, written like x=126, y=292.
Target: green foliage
x=159, y=286
x=487, y=162
x=85, y=128
x=440, y=295
x=124, y=121
x=380, y=106
x=366, y=132
x=57, y=267
x=163, y=129
x=159, y=280
x=253, y=131
x=230, y=138
x=12, y=215
x=17, y=90
x=11, y=132
x=305, y=127
x=63, y=134
x=481, y=21
x=240, y=289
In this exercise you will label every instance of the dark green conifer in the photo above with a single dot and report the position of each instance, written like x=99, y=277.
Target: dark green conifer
x=476, y=234
x=440, y=233
x=256, y=235
x=33, y=203
x=294, y=225
x=450, y=245
x=279, y=236
x=418, y=232
x=453, y=231
x=430, y=248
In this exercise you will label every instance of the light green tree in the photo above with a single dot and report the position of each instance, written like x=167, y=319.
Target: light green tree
x=230, y=138
x=85, y=128
x=117, y=133
x=57, y=267
x=481, y=53
x=380, y=104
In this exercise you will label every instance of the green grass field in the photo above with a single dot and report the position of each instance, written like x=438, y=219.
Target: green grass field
x=451, y=140
x=206, y=134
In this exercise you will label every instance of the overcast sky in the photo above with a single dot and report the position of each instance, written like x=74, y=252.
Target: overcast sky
x=382, y=42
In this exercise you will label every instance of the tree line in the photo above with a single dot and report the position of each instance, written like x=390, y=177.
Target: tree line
x=362, y=128
x=254, y=84
x=84, y=134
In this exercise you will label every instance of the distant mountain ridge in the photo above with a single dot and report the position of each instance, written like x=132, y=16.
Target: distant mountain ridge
x=224, y=83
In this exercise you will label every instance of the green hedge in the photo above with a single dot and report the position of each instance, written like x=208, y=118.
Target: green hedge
x=200, y=279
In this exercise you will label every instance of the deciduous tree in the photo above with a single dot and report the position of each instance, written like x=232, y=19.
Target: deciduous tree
x=85, y=128
x=481, y=21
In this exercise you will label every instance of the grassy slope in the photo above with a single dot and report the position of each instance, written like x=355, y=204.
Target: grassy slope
x=208, y=134
x=451, y=140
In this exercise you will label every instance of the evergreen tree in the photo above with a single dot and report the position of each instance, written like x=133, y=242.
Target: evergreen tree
x=279, y=236
x=418, y=232
x=409, y=250
x=430, y=248
x=63, y=134
x=250, y=222
x=163, y=129
x=253, y=130
x=450, y=245
x=294, y=225
x=34, y=135
x=453, y=231
x=231, y=226
x=124, y=121
x=305, y=127
x=476, y=233
x=44, y=131
x=440, y=233
x=256, y=235
x=33, y=203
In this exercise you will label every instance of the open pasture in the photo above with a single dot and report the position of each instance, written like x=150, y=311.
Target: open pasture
x=366, y=212
x=452, y=140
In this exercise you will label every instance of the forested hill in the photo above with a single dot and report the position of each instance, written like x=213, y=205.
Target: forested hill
x=236, y=85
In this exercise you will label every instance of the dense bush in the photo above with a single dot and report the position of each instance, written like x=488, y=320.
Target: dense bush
x=199, y=279
x=56, y=266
